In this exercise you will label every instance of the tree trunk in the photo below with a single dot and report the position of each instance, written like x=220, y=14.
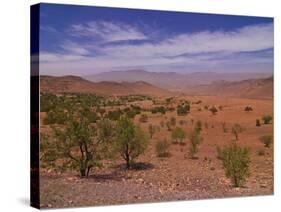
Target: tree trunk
x=88, y=171
x=83, y=172
x=128, y=164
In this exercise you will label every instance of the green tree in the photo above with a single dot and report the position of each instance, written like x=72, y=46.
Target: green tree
x=79, y=145
x=178, y=135
x=236, y=162
x=131, y=140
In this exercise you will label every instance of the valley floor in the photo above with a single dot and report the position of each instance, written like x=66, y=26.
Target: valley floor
x=176, y=177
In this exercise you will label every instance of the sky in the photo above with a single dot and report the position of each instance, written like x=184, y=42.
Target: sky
x=86, y=40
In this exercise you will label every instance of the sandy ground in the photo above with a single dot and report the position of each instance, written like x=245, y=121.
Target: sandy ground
x=176, y=177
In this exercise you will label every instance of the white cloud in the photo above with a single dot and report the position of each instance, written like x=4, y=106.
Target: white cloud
x=107, y=31
x=200, y=49
x=74, y=48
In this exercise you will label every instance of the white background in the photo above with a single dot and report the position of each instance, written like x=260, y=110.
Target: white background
x=14, y=101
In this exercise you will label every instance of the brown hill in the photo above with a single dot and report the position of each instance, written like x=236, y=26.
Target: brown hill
x=75, y=84
x=173, y=80
x=252, y=88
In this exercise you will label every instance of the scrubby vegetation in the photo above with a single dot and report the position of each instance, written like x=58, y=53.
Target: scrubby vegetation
x=213, y=110
x=195, y=139
x=162, y=148
x=236, y=129
x=178, y=135
x=267, y=119
x=267, y=140
x=183, y=109
x=258, y=123
x=236, y=162
x=248, y=108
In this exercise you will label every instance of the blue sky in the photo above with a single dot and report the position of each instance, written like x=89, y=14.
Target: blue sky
x=81, y=40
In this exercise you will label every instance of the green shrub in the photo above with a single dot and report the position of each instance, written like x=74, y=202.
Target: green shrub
x=183, y=109
x=267, y=119
x=114, y=115
x=236, y=163
x=195, y=140
x=267, y=140
x=162, y=148
x=178, y=135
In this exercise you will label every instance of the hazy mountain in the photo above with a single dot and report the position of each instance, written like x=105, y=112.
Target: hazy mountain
x=74, y=84
x=252, y=88
x=172, y=80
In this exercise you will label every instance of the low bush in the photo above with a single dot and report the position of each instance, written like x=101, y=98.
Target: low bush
x=213, y=110
x=162, y=148
x=258, y=123
x=248, y=108
x=267, y=119
x=236, y=163
x=267, y=140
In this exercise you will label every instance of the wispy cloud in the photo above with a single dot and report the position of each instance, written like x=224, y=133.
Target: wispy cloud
x=107, y=31
x=247, y=45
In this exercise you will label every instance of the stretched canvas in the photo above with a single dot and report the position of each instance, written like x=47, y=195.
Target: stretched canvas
x=138, y=106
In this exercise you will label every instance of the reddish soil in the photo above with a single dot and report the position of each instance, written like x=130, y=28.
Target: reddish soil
x=176, y=177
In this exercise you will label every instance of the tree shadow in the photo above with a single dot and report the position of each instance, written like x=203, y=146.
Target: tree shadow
x=135, y=166
x=142, y=166
x=114, y=176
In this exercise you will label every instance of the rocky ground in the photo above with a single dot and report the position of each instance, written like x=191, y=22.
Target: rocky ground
x=177, y=177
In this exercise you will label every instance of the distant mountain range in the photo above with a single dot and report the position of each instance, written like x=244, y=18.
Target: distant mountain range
x=251, y=88
x=172, y=80
x=75, y=84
